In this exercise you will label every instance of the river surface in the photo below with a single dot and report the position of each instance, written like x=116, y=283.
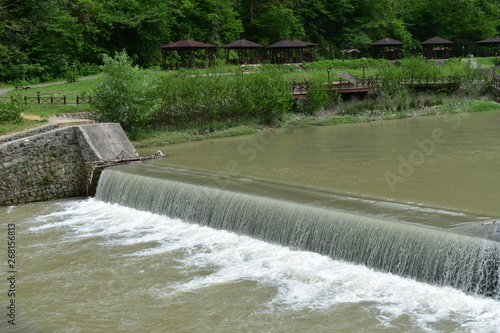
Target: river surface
x=84, y=265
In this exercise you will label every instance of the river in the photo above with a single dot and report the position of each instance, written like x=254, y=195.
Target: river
x=85, y=265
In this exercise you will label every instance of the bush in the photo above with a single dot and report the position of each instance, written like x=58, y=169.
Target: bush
x=207, y=99
x=318, y=96
x=11, y=109
x=126, y=95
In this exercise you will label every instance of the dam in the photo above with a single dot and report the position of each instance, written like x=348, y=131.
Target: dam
x=286, y=230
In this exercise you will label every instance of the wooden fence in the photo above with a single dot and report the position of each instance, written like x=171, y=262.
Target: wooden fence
x=52, y=100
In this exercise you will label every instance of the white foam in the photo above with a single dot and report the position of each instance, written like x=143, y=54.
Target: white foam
x=303, y=280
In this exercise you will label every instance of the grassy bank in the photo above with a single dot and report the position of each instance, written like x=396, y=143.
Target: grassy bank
x=327, y=117
x=209, y=103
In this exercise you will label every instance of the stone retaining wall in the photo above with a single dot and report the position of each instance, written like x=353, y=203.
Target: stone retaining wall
x=34, y=131
x=50, y=165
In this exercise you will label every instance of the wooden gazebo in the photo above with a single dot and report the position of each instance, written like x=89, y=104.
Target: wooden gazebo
x=349, y=53
x=489, y=47
x=187, y=53
x=437, y=48
x=291, y=51
x=248, y=51
x=388, y=48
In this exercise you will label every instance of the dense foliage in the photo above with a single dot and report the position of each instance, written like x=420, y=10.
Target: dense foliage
x=206, y=99
x=44, y=39
x=137, y=99
x=126, y=95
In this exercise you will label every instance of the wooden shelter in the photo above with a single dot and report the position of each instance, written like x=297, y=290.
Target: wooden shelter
x=187, y=53
x=489, y=47
x=291, y=51
x=437, y=48
x=349, y=53
x=387, y=48
x=248, y=52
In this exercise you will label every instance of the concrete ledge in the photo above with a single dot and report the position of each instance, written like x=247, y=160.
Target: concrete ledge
x=108, y=140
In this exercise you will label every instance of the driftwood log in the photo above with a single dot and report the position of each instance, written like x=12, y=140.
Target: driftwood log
x=120, y=159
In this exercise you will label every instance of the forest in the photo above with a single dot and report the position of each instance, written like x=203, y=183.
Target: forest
x=44, y=39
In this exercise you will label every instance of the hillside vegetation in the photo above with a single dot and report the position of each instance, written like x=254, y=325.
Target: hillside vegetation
x=48, y=39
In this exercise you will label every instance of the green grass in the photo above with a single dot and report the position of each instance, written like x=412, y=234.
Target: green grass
x=9, y=127
x=487, y=61
x=315, y=72
x=163, y=137
x=48, y=110
x=70, y=90
x=471, y=106
x=364, y=115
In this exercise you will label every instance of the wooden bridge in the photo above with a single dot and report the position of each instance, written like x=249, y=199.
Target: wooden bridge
x=360, y=86
x=299, y=89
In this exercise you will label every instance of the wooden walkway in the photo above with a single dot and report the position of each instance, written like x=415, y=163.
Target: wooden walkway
x=299, y=89
x=363, y=86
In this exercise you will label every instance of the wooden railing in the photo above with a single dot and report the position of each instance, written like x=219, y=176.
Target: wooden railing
x=300, y=89
x=51, y=100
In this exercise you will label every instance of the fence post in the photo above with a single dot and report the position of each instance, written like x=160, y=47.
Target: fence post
x=64, y=99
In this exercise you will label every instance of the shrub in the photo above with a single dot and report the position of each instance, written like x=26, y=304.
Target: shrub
x=207, y=99
x=126, y=95
x=11, y=109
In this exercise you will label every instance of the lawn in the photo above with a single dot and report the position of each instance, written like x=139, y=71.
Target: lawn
x=9, y=127
x=317, y=71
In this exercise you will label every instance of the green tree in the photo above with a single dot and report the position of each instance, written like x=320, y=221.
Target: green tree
x=127, y=95
x=211, y=21
x=279, y=23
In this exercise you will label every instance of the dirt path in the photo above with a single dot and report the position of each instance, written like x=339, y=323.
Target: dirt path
x=60, y=121
x=4, y=90
x=347, y=76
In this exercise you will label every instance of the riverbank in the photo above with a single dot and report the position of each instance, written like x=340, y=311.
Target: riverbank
x=328, y=117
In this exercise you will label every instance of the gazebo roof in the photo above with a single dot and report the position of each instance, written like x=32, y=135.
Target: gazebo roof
x=494, y=40
x=186, y=44
x=436, y=40
x=387, y=42
x=290, y=43
x=242, y=44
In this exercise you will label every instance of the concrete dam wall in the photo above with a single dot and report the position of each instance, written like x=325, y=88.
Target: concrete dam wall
x=54, y=164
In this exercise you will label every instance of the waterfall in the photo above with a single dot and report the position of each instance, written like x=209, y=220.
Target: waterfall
x=414, y=251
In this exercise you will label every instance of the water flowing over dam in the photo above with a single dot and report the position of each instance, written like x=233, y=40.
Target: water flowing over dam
x=424, y=253
x=296, y=230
